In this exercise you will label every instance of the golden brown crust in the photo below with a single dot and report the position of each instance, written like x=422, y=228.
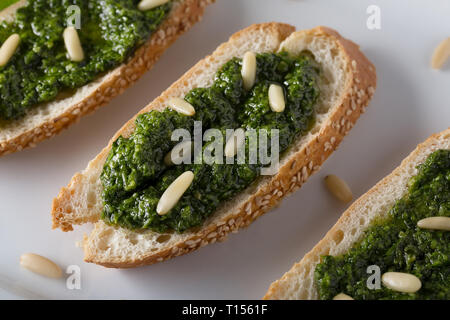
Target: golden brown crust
x=322, y=247
x=61, y=205
x=291, y=175
x=181, y=19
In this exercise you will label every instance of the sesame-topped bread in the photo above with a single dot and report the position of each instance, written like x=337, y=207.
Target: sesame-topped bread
x=346, y=87
x=47, y=119
x=298, y=283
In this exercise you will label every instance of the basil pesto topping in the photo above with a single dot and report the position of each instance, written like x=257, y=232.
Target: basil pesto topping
x=134, y=175
x=397, y=244
x=40, y=69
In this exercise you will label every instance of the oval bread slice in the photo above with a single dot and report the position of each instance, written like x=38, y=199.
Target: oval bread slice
x=346, y=88
x=46, y=120
x=298, y=283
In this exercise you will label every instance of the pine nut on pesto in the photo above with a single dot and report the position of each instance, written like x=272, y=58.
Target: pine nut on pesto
x=181, y=106
x=401, y=282
x=174, y=192
x=248, y=70
x=40, y=69
x=276, y=98
x=235, y=142
x=342, y=296
x=73, y=44
x=435, y=223
x=8, y=48
x=150, y=4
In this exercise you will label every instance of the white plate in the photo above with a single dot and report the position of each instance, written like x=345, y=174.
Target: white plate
x=411, y=102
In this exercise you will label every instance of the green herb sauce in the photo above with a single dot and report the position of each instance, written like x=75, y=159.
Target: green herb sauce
x=39, y=70
x=134, y=175
x=396, y=243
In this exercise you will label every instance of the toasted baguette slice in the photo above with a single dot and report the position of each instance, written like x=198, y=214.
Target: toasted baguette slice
x=348, y=84
x=298, y=283
x=46, y=120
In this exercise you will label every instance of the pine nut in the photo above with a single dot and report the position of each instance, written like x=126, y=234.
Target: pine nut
x=73, y=44
x=441, y=54
x=39, y=264
x=234, y=143
x=177, y=154
x=401, y=282
x=8, y=48
x=339, y=188
x=174, y=192
x=181, y=106
x=276, y=98
x=145, y=5
x=435, y=223
x=342, y=296
x=248, y=70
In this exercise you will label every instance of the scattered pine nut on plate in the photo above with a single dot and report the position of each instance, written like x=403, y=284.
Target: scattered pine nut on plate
x=40, y=265
x=441, y=54
x=339, y=188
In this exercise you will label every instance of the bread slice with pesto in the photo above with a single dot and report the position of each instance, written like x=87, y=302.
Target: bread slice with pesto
x=299, y=282
x=347, y=85
x=47, y=119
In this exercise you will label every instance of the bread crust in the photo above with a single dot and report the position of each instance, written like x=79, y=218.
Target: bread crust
x=291, y=175
x=181, y=18
x=309, y=261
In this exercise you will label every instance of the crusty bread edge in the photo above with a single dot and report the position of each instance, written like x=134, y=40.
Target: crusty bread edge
x=290, y=177
x=321, y=247
x=180, y=20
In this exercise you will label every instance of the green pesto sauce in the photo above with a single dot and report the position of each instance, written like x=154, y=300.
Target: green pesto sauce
x=134, y=175
x=395, y=243
x=40, y=69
